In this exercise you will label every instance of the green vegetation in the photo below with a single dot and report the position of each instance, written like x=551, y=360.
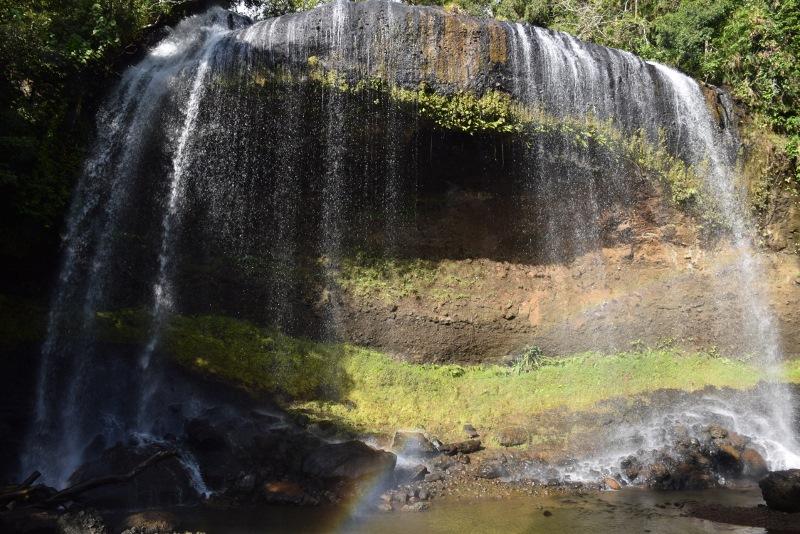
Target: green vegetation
x=391, y=279
x=369, y=391
x=497, y=112
x=464, y=112
x=56, y=55
x=254, y=358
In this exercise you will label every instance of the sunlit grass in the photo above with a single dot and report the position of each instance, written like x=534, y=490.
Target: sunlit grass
x=369, y=391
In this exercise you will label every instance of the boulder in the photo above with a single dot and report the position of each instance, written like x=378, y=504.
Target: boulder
x=202, y=436
x=415, y=474
x=412, y=444
x=512, y=436
x=753, y=464
x=491, y=470
x=631, y=467
x=351, y=460
x=463, y=447
x=728, y=458
x=781, y=490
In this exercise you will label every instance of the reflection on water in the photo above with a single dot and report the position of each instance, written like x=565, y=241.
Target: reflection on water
x=623, y=511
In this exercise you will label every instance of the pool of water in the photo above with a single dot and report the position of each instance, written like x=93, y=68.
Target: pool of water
x=623, y=511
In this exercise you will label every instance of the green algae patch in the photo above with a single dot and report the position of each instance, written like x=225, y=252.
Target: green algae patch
x=368, y=391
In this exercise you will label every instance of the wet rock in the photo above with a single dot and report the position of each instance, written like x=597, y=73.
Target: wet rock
x=781, y=490
x=412, y=444
x=352, y=460
x=512, y=436
x=492, y=470
x=201, y=435
x=385, y=507
x=423, y=495
x=470, y=431
x=436, y=476
x=753, y=464
x=463, y=447
x=95, y=447
x=658, y=473
x=631, y=466
x=415, y=474
x=416, y=507
x=246, y=483
x=400, y=497
x=150, y=522
x=287, y=492
x=717, y=431
x=264, y=417
x=82, y=522
x=727, y=457
x=277, y=454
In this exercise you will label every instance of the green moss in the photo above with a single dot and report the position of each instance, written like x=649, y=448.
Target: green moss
x=391, y=279
x=368, y=391
x=464, y=112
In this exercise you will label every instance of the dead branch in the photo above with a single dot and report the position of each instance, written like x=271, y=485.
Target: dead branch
x=93, y=483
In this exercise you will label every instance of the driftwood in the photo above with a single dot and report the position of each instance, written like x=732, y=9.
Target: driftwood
x=41, y=495
x=31, y=478
x=93, y=483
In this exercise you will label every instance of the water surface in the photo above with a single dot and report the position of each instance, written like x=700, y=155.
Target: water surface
x=622, y=511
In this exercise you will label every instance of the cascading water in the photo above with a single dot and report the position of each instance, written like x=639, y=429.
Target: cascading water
x=74, y=402
x=223, y=170
x=574, y=79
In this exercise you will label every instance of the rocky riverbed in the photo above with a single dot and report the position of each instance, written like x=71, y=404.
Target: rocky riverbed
x=245, y=458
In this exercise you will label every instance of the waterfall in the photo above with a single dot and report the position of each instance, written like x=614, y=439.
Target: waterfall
x=574, y=79
x=220, y=171
x=74, y=400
